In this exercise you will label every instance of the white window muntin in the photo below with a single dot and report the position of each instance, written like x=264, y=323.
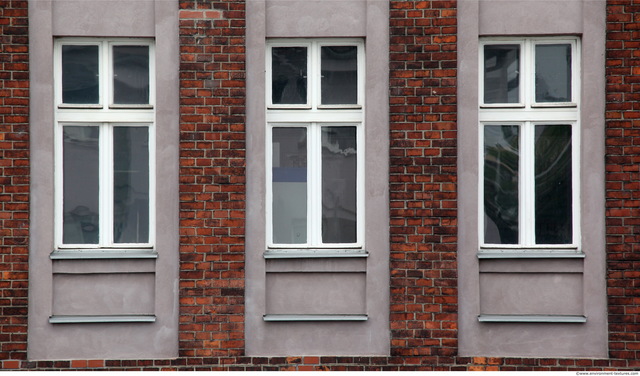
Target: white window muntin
x=314, y=72
x=106, y=183
x=527, y=71
x=105, y=71
x=314, y=186
x=526, y=188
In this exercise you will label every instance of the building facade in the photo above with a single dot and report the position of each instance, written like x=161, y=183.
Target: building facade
x=319, y=185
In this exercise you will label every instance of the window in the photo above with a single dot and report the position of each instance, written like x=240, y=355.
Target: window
x=529, y=127
x=104, y=143
x=315, y=143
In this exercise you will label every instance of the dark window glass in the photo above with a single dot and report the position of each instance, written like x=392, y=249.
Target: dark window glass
x=339, y=66
x=501, y=175
x=553, y=185
x=289, y=75
x=81, y=186
x=289, y=189
x=131, y=75
x=553, y=73
x=339, y=189
x=131, y=185
x=501, y=73
x=80, y=75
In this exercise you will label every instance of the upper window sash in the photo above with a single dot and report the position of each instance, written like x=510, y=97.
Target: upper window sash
x=299, y=71
x=89, y=74
x=515, y=72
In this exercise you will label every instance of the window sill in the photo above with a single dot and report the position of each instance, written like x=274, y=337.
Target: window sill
x=83, y=254
x=69, y=319
x=305, y=317
x=314, y=253
x=567, y=319
x=484, y=255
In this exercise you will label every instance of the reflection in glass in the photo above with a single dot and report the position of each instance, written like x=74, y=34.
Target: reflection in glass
x=289, y=189
x=502, y=73
x=80, y=74
x=339, y=66
x=553, y=73
x=339, y=176
x=80, y=161
x=131, y=74
x=553, y=184
x=131, y=185
x=501, y=174
x=289, y=75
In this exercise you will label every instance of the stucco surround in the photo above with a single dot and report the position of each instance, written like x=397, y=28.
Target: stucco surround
x=111, y=286
x=556, y=286
x=365, y=282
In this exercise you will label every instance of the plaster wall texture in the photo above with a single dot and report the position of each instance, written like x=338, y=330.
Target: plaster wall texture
x=267, y=19
x=583, y=292
x=63, y=289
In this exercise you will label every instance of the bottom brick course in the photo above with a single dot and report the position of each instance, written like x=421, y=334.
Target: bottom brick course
x=329, y=364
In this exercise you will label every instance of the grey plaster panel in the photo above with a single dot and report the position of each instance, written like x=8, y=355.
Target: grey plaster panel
x=317, y=265
x=103, y=294
x=316, y=18
x=532, y=266
x=526, y=17
x=536, y=339
x=531, y=294
x=316, y=293
x=343, y=338
x=104, y=266
x=114, y=18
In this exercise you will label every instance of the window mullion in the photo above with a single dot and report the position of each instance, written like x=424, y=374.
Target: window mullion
x=314, y=75
x=106, y=184
x=527, y=185
x=314, y=179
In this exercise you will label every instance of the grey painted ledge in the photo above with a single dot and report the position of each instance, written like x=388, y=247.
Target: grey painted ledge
x=289, y=318
x=72, y=319
x=576, y=319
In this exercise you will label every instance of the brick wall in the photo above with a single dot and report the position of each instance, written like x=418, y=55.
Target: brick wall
x=423, y=197
x=423, y=181
x=622, y=181
x=14, y=180
x=212, y=178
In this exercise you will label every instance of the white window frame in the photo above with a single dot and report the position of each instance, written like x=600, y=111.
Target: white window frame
x=526, y=115
x=105, y=118
x=313, y=116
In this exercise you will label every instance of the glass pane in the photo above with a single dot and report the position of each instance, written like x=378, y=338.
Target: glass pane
x=80, y=163
x=553, y=73
x=80, y=75
x=501, y=174
x=289, y=75
x=131, y=185
x=289, y=166
x=131, y=74
x=502, y=73
x=339, y=74
x=339, y=178
x=553, y=184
